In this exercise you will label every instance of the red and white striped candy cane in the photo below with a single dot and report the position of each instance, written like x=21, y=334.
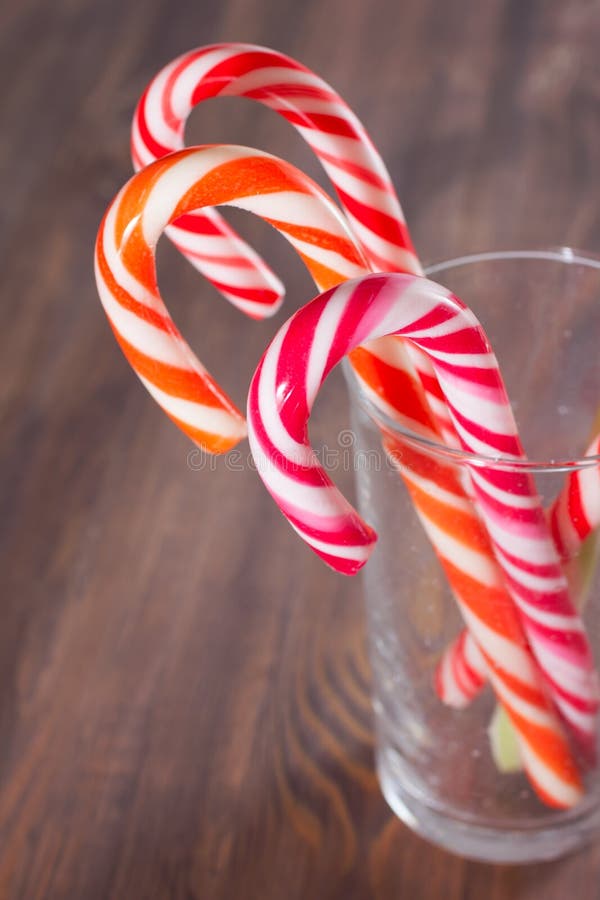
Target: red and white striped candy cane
x=126, y=271
x=333, y=132
x=461, y=672
x=321, y=116
x=348, y=155
x=574, y=515
x=576, y=512
x=281, y=395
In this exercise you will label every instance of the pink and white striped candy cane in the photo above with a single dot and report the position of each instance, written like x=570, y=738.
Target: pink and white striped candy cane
x=126, y=271
x=281, y=396
x=333, y=132
x=574, y=515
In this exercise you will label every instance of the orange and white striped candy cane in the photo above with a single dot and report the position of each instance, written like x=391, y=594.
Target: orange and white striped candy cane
x=126, y=271
x=127, y=283
x=294, y=205
x=127, y=276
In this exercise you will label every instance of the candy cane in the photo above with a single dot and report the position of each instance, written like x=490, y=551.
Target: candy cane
x=574, y=515
x=190, y=396
x=126, y=271
x=576, y=512
x=288, y=200
x=338, y=139
x=323, y=119
x=461, y=673
x=281, y=395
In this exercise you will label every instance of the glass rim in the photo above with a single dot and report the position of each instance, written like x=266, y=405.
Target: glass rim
x=565, y=255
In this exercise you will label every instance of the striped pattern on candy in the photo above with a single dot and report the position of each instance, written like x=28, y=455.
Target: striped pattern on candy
x=240, y=275
x=350, y=158
x=333, y=132
x=574, y=515
x=496, y=638
x=389, y=380
x=461, y=672
x=126, y=271
x=204, y=237
x=576, y=512
x=280, y=400
x=324, y=120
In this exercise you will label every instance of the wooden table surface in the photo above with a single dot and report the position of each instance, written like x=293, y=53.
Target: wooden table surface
x=184, y=688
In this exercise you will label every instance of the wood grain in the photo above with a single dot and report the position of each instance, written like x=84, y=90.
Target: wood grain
x=183, y=688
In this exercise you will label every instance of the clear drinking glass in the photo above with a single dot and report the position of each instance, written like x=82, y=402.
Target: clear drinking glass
x=541, y=311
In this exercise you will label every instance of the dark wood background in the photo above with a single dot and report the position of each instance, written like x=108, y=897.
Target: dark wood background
x=184, y=688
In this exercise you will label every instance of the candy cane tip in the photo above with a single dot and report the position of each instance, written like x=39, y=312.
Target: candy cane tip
x=343, y=566
x=353, y=559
